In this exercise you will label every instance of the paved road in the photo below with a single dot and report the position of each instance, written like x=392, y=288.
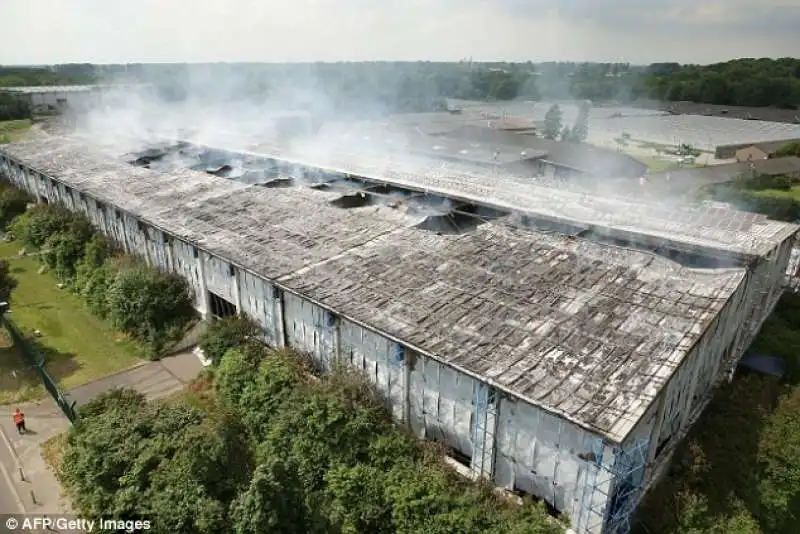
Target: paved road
x=153, y=379
x=10, y=501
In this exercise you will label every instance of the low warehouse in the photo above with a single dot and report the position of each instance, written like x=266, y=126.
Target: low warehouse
x=561, y=366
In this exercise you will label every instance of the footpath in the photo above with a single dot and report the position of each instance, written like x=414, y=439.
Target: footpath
x=32, y=486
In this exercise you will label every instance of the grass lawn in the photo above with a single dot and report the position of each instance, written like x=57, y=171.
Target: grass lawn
x=793, y=193
x=11, y=131
x=78, y=346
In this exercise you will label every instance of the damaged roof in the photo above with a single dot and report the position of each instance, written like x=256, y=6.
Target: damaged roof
x=719, y=230
x=583, y=330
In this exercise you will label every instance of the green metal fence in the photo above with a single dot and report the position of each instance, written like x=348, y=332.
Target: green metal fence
x=37, y=361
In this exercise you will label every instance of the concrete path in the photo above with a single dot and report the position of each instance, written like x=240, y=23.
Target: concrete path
x=27, y=485
x=153, y=379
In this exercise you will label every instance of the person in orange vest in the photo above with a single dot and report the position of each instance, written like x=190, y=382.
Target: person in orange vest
x=19, y=420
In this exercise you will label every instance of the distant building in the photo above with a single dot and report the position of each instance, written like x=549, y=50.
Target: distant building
x=685, y=180
x=759, y=151
x=751, y=151
x=59, y=98
x=555, y=159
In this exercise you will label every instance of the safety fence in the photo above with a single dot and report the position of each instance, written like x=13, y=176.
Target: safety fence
x=36, y=359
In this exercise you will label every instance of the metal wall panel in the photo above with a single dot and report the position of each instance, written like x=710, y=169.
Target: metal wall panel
x=311, y=330
x=186, y=262
x=441, y=404
x=219, y=277
x=383, y=363
x=135, y=237
x=259, y=302
x=537, y=453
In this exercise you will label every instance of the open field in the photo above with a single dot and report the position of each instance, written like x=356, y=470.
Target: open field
x=78, y=347
x=11, y=131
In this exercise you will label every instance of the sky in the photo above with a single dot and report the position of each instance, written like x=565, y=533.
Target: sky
x=635, y=31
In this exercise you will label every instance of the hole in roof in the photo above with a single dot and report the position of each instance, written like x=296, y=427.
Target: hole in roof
x=449, y=224
x=358, y=200
x=277, y=183
x=459, y=220
x=441, y=215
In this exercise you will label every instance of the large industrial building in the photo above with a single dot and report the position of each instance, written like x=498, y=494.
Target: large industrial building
x=58, y=98
x=558, y=344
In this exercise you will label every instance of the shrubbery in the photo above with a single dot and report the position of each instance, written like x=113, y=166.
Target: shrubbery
x=225, y=334
x=13, y=202
x=319, y=456
x=151, y=306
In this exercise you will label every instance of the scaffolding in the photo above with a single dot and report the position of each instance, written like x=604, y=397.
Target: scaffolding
x=483, y=429
x=618, y=483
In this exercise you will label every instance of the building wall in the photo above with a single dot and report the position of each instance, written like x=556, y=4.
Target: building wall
x=518, y=446
x=712, y=359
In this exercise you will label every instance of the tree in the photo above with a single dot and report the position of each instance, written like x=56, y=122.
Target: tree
x=62, y=252
x=13, y=202
x=552, y=122
x=688, y=150
x=34, y=226
x=272, y=503
x=7, y=282
x=580, y=131
x=166, y=462
x=566, y=134
x=149, y=305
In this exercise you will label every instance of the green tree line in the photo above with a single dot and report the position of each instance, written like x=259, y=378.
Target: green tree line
x=741, y=82
x=376, y=87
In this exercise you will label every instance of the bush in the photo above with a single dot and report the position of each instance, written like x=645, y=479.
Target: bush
x=149, y=305
x=13, y=202
x=34, y=226
x=226, y=334
x=93, y=284
x=61, y=253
